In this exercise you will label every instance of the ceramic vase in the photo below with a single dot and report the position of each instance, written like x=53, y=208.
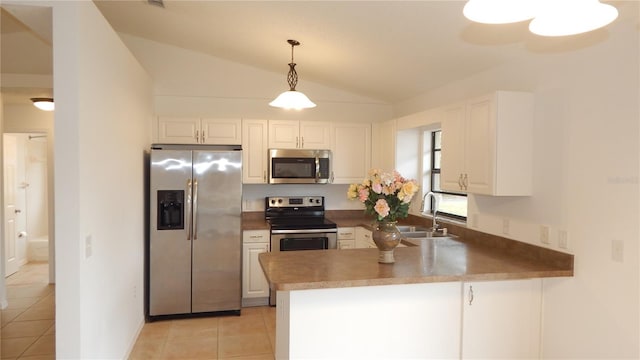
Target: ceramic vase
x=386, y=236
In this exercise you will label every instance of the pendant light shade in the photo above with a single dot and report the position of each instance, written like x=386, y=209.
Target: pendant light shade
x=45, y=104
x=499, y=11
x=570, y=17
x=292, y=99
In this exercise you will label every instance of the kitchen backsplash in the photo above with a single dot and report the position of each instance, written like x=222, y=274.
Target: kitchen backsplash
x=335, y=195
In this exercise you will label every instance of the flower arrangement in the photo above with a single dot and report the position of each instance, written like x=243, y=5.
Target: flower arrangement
x=385, y=195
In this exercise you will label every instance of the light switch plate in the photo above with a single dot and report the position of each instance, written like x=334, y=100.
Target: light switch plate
x=544, y=234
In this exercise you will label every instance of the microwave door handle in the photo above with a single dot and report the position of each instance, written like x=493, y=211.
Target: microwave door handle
x=317, y=169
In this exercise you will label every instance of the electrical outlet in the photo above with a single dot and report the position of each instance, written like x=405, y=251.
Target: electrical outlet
x=617, y=250
x=505, y=226
x=544, y=234
x=88, y=244
x=563, y=239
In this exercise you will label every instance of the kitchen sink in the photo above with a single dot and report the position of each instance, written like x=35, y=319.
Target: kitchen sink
x=410, y=231
x=411, y=228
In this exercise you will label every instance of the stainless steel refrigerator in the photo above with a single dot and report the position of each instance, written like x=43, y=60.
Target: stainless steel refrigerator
x=195, y=240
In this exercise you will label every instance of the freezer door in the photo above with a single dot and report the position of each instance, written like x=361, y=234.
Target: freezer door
x=217, y=244
x=169, y=238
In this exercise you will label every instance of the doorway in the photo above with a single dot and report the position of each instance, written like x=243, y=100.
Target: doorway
x=26, y=201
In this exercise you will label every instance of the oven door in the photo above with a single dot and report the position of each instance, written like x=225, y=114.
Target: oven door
x=303, y=240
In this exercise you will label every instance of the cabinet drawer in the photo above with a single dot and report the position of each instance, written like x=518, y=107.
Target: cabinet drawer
x=255, y=236
x=345, y=233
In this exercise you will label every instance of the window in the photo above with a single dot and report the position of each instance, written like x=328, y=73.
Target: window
x=450, y=204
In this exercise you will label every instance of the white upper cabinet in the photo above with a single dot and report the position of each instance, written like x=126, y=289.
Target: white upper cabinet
x=351, y=152
x=173, y=130
x=178, y=130
x=221, y=131
x=383, y=154
x=293, y=134
x=487, y=145
x=254, y=151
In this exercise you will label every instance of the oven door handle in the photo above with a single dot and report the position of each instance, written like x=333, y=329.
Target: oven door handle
x=304, y=231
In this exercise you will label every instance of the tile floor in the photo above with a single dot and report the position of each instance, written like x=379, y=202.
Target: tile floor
x=250, y=336
x=28, y=328
x=28, y=323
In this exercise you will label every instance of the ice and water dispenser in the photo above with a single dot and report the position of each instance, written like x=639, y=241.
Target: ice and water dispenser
x=170, y=209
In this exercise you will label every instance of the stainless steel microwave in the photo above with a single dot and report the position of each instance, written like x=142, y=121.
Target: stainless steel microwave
x=299, y=166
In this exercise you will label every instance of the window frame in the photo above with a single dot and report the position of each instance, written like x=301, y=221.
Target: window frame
x=432, y=174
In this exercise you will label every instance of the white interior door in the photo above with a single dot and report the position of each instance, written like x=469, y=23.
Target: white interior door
x=10, y=181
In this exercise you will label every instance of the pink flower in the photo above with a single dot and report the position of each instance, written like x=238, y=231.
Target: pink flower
x=382, y=208
x=376, y=187
x=363, y=194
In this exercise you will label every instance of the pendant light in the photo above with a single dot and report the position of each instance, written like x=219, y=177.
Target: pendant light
x=45, y=104
x=570, y=17
x=292, y=99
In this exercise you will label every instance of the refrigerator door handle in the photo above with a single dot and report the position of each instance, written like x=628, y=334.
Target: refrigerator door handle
x=189, y=217
x=195, y=210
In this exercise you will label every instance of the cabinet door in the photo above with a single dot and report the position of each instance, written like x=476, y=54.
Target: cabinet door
x=173, y=130
x=254, y=151
x=351, y=152
x=480, y=149
x=284, y=134
x=501, y=319
x=363, y=238
x=453, y=148
x=221, y=131
x=315, y=135
x=254, y=283
x=383, y=152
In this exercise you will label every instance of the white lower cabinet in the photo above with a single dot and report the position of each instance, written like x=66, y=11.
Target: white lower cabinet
x=346, y=238
x=255, y=288
x=363, y=238
x=501, y=319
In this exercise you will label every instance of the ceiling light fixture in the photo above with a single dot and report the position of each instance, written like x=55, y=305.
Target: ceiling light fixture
x=292, y=99
x=45, y=104
x=570, y=17
x=499, y=11
x=550, y=17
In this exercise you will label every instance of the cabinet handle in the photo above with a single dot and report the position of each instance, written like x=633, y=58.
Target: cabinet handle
x=297, y=142
x=465, y=181
x=264, y=175
x=470, y=295
x=302, y=142
x=202, y=136
x=460, y=183
x=197, y=135
x=331, y=180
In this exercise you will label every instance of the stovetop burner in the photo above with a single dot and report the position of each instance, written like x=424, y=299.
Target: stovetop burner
x=293, y=213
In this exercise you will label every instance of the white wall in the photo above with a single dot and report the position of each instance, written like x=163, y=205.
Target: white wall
x=586, y=156
x=103, y=112
x=187, y=83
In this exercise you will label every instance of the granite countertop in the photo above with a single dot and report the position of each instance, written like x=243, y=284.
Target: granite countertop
x=442, y=260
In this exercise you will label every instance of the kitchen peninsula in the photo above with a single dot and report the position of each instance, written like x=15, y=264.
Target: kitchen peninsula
x=441, y=299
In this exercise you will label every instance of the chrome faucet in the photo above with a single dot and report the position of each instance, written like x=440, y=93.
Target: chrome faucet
x=435, y=208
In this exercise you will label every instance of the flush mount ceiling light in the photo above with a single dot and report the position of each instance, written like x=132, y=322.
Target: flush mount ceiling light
x=499, y=11
x=550, y=17
x=570, y=17
x=45, y=104
x=292, y=99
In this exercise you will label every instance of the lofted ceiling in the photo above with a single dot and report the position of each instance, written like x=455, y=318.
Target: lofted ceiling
x=386, y=50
